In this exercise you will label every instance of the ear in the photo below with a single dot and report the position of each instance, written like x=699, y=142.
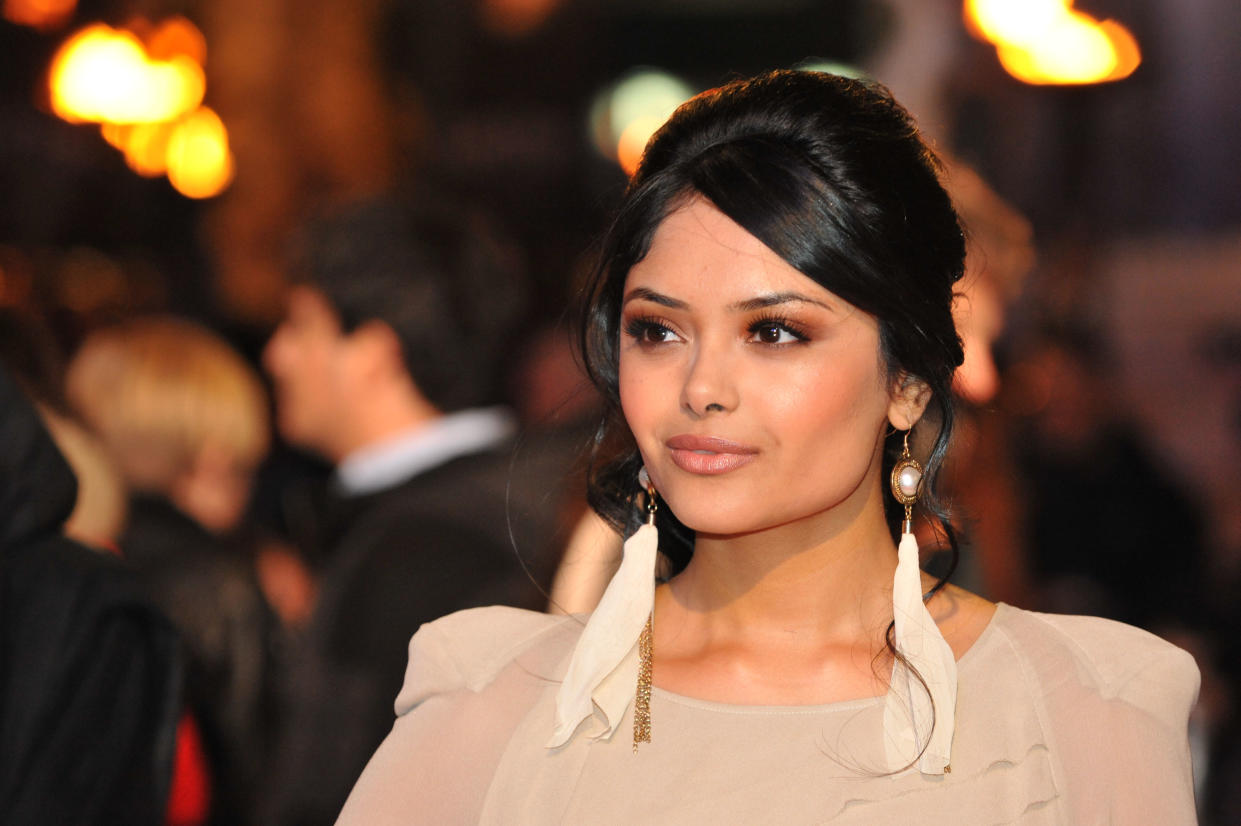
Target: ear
x=910, y=396
x=376, y=350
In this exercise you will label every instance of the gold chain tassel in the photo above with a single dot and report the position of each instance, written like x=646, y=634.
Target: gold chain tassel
x=642, y=704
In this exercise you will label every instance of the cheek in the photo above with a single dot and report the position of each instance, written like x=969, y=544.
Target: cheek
x=829, y=414
x=308, y=379
x=636, y=396
x=650, y=400
x=640, y=382
x=316, y=384
x=325, y=367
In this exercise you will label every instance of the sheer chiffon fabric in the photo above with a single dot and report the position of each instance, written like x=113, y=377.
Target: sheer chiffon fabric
x=1060, y=720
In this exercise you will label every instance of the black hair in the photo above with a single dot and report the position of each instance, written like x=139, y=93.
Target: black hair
x=441, y=278
x=832, y=175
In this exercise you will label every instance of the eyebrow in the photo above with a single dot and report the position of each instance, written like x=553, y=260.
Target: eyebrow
x=775, y=299
x=643, y=294
x=749, y=305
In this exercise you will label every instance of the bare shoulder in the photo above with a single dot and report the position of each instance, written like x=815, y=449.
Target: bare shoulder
x=962, y=616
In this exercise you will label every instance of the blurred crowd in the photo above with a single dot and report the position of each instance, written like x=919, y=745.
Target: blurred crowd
x=260, y=523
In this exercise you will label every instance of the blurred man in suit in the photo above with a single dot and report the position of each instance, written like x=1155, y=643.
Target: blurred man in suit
x=385, y=364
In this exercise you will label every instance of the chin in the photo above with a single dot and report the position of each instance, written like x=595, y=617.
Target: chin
x=748, y=512
x=711, y=519
x=289, y=431
x=296, y=434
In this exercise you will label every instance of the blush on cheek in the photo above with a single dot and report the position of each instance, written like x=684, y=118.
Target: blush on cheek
x=634, y=399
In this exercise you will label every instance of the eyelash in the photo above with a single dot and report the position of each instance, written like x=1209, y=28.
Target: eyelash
x=783, y=324
x=639, y=328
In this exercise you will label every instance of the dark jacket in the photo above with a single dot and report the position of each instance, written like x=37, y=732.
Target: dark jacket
x=473, y=531
x=89, y=677
x=207, y=586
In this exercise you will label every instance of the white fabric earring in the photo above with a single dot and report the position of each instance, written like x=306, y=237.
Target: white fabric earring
x=918, y=720
x=606, y=661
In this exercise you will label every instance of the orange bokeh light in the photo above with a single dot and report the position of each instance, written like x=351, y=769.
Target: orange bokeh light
x=39, y=14
x=104, y=75
x=633, y=141
x=177, y=36
x=146, y=93
x=200, y=164
x=1048, y=42
x=1013, y=23
x=146, y=148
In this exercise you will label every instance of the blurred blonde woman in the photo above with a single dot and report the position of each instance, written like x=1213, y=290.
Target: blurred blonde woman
x=186, y=420
x=183, y=414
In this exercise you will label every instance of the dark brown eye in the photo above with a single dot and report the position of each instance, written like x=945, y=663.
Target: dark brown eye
x=769, y=333
x=774, y=332
x=644, y=331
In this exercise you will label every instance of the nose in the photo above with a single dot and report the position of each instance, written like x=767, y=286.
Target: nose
x=710, y=385
x=273, y=352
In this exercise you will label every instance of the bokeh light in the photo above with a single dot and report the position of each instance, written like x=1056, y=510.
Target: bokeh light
x=1016, y=23
x=632, y=142
x=625, y=115
x=103, y=74
x=832, y=67
x=1048, y=42
x=39, y=14
x=145, y=146
x=175, y=37
x=146, y=94
x=200, y=164
x=515, y=18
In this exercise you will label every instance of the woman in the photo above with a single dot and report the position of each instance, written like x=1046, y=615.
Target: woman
x=770, y=321
x=185, y=419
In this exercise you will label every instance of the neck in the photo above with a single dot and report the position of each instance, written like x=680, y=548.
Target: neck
x=825, y=577
x=380, y=415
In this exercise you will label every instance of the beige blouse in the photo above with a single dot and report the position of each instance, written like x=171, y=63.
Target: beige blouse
x=1064, y=720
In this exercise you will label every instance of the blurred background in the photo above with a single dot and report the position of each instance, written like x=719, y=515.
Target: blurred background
x=158, y=156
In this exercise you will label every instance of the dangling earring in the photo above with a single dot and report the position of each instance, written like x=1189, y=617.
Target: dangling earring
x=907, y=484
x=918, y=716
x=613, y=653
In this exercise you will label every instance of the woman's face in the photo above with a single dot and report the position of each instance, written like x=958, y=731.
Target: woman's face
x=756, y=396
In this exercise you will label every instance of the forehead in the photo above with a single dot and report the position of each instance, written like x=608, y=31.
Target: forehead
x=698, y=250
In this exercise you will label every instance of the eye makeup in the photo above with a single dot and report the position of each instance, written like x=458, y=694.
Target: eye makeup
x=772, y=329
x=649, y=330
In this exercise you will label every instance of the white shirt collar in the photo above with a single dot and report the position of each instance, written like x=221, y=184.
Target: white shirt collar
x=400, y=457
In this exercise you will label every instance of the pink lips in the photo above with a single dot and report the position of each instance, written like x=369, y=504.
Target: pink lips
x=708, y=456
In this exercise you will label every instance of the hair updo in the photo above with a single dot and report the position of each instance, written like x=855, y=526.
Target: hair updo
x=832, y=175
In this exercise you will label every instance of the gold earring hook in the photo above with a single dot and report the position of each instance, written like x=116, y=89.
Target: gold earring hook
x=652, y=503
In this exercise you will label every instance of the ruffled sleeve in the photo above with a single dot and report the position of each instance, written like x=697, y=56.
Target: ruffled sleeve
x=1061, y=720
x=470, y=679
x=1118, y=722
x=467, y=650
